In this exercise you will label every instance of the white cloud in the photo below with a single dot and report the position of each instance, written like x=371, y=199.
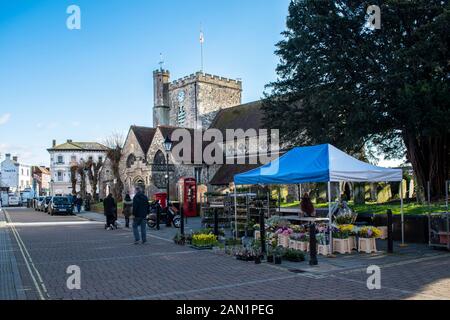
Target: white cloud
x=75, y=123
x=5, y=118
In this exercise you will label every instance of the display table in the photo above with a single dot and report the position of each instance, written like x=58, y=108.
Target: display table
x=306, y=219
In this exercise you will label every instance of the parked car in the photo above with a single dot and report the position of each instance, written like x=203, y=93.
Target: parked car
x=60, y=205
x=14, y=201
x=44, y=204
x=38, y=203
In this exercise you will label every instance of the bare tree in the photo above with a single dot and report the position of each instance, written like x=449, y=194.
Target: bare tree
x=93, y=172
x=81, y=172
x=115, y=144
x=73, y=177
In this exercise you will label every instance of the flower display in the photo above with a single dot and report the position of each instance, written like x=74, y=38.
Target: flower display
x=369, y=232
x=204, y=240
x=285, y=231
x=303, y=237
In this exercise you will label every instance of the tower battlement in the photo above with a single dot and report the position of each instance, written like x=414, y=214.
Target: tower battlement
x=207, y=78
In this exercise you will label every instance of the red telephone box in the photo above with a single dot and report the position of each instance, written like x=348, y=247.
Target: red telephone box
x=162, y=197
x=187, y=190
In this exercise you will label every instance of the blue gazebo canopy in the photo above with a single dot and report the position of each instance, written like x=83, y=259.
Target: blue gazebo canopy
x=321, y=163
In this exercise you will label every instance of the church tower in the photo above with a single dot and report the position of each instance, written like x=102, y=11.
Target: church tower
x=161, y=104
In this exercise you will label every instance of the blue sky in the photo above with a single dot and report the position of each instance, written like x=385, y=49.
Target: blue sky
x=84, y=84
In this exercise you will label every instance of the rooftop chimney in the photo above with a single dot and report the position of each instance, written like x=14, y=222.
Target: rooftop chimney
x=54, y=143
x=69, y=141
x=15, y=158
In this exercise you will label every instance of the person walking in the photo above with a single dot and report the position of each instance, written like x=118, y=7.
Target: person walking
x=109, y=208
x=78, y=203
x=127, y=209
x=141, y=209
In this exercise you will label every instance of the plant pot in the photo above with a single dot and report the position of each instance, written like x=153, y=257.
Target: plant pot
x=367, y=245
x=341, y=246
x=277, y=259
x=270, y=258
x=323, y=249
x=303, y=246
x=283, y=241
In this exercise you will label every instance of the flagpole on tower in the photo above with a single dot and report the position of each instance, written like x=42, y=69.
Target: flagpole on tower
x=202, y=39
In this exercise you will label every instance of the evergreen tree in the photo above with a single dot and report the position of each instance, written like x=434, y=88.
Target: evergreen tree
x=343, y=83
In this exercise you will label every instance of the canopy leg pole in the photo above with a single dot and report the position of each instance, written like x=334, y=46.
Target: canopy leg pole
x=329, y=217
x=401, y=212
x=235, y=214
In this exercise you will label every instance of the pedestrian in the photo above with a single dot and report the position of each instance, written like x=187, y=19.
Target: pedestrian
x=141, y=209
x=307, y=207
x=78, y=203
x=109, y=208
x=87, y=202
x=127, y=209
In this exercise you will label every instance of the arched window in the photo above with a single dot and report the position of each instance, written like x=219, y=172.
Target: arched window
x=159, y=158
x=130, y=160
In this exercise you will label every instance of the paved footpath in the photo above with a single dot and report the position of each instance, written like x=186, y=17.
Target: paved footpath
x=112, y=267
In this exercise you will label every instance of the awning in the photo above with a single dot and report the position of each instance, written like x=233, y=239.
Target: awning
x=321, y=163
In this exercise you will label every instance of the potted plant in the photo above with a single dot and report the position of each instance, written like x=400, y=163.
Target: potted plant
x=179, y=239
x=341, y=235
x=294, y=255
x=283, y=234
x=322, y=246
x=278, y=254
x=270, y=255
x=366, y=241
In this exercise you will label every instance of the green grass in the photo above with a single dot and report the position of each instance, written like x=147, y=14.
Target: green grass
x=380, y=208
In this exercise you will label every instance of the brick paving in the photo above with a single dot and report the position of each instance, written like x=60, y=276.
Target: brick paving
x=112, y=267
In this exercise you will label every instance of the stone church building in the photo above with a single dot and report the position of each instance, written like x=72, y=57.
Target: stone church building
x=196, y=102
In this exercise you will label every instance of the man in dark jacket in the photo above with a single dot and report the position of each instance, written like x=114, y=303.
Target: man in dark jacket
x=141, y=209
x=109, y=207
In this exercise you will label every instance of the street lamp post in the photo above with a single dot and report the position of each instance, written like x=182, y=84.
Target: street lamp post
x=168, y=143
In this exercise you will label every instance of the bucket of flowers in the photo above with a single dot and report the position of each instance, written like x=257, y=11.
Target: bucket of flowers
x=341, y=234
x=203, y=241
x=322, y=246
x=367, y=236
x=245, y=254
x=283, y=236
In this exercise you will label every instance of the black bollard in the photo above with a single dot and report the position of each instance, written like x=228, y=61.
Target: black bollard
x=312, y=245
x=216, y=222
x=390, y=233
x=158, y=216
x=262, y=231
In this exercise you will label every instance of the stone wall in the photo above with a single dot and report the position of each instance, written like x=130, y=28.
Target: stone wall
x=139, y=170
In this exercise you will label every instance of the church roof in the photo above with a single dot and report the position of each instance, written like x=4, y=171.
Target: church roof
x=245, y=116
x=144, y=136
x=79, y=146
x=226, y=173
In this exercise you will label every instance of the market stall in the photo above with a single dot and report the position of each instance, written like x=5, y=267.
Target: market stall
x=321, y=163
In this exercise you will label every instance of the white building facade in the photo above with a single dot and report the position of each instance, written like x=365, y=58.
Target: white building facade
x=17, y=176
x=64, y=156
